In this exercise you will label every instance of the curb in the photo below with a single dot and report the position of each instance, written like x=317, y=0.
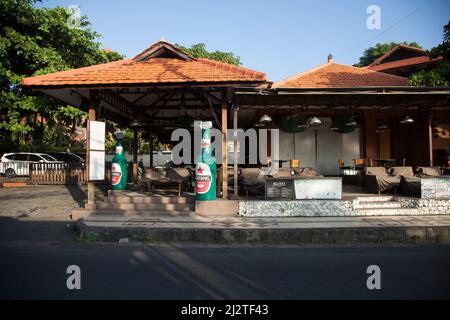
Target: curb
x=299, y=236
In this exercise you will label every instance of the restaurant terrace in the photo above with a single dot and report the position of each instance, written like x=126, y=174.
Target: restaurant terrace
x=335, y=123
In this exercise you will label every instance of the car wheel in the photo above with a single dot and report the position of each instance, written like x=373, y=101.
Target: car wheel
x=10, y=173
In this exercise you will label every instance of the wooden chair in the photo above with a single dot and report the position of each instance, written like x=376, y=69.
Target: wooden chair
x=359, y=164
x=295, y=163
x=343, y=167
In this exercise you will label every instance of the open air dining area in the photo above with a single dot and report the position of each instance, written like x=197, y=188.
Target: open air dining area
x=339, y=140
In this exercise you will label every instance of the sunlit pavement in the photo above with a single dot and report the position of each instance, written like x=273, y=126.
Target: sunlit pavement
x=194, y=271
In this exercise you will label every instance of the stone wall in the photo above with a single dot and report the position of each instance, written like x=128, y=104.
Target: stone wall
x=298, y=208
x=336, y=208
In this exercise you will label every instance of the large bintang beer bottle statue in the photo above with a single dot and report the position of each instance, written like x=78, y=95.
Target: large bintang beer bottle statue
x=205, y=170
x=119, y=166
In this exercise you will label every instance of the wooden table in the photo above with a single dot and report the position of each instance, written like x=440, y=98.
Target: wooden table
x=385, y=162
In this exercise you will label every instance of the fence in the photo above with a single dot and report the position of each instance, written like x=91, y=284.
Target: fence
x=47, y=173
x=58, y=173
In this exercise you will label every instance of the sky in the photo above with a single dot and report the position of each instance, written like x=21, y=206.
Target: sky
x=280, y=38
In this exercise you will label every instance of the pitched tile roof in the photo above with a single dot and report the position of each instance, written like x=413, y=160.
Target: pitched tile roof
x=162, y=63
x=397, y=48
x=403, y=63
x=335, y=75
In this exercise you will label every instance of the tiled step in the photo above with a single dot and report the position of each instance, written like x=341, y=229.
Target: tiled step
x=149, y=199
x=386, y=212
x=378, y=205
x=145, y=206
x=118, y=214
x=375, y=198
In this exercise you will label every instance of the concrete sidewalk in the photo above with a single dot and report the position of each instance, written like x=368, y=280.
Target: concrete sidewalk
x=295, y=230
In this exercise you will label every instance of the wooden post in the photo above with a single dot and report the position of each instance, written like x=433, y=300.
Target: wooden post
x=224, y=145
x=93, y=103
x=370, y=135
x=150, y=148
x=235, y=154
x=430, y=139
x=135, y=154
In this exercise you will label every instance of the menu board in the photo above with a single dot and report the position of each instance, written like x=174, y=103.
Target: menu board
x=435, y=187
x=280, y=189
x=319, y=188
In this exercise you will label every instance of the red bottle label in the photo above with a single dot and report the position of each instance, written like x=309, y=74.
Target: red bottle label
x=203, y=178
x=116, y=174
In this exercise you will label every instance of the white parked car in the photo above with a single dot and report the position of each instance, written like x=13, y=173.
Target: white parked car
x=18, y=164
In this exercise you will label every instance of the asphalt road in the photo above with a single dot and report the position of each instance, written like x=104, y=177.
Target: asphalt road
x=38, y=270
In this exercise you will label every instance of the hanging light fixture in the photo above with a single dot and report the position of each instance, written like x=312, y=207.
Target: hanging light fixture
x=351, y=122
x=136, y=123
x=259, y=124
x=407, y=120
x=265, y=119
x=334, y=127
x=382, y=127
x=314, y=122
x=302, y=126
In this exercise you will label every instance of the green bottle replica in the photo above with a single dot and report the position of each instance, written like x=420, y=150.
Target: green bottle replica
x=205, y=170
x=119, y=167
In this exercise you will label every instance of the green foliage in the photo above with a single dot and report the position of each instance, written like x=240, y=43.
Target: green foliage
x=199, y=51
x=437, y=77
x=444, y=48
x=37, y=41
x=143, y=142
x=373, y=53
x=440, y=75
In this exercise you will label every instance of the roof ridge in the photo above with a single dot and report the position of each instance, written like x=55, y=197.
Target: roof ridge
x=369, y=70
x=301, y=74
x=231, y=66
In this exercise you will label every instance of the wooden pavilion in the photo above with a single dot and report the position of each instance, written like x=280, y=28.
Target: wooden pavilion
x=160, y=84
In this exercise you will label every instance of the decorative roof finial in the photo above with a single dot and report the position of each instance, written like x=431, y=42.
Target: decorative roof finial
x=163, y=39
x=330, y=58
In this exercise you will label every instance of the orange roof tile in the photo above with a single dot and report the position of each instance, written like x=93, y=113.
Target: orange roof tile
x=155, y=69
x=334, y=75
x=403, y=63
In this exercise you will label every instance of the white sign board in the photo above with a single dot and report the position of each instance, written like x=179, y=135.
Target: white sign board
x=435, y=187
x=96, y=148
x=323, y=188
x=96, y=165
x=96, y=135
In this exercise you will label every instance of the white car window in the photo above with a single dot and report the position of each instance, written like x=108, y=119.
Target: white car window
x=20, y=157
x=35, y=158
x=48, y=158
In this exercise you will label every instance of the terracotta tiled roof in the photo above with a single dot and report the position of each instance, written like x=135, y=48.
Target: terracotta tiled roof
x=153, y=69
x=334, y=75
x=396, y=48
x=403, y=63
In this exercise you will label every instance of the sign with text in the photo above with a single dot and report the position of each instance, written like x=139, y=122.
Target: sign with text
x=96, y=150
x=280, y=189
x=435, y=187
x=318, y=188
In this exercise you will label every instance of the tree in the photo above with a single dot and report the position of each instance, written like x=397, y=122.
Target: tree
x=444, y=48
x=373, y=53
x=440, y=75
x=37, y=41
x=199, y=51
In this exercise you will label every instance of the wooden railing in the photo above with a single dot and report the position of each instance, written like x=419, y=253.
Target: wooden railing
x=64, y=173
x=57, y=173
x=47, y=173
